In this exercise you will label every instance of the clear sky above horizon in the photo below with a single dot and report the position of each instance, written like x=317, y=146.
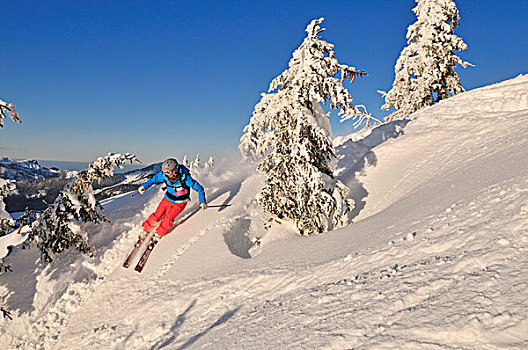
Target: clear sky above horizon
x=168, y=78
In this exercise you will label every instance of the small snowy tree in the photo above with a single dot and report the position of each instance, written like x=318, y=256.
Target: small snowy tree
x=425, y=69
x=6, y=222
x=7, y=110
x=185, y=162
x=290, y=128
x=58, y=228
x=196, y=163
x=210, y=163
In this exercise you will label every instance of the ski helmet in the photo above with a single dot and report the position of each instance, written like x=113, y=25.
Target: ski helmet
x=169, y=164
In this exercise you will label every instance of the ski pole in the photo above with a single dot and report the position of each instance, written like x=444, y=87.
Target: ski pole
x=219, y=206
x=134, y=194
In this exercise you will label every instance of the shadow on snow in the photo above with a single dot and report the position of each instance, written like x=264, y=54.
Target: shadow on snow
x=355, y=155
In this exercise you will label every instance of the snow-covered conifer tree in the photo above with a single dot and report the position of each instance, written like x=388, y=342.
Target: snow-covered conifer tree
x=185, y=162
x=196, y=163
x=58, y=228
x=210, y=163
x=8, y=110
x=290, y=128
x=425, y=69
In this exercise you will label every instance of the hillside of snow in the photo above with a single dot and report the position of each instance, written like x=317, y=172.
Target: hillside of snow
x=435, y=257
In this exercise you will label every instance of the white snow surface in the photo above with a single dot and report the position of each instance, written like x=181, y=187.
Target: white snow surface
x=436, y=256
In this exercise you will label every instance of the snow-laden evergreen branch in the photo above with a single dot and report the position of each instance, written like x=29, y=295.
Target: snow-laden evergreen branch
x=8, y=110
x=290, y=128
x=58, y=228
x=424, y=72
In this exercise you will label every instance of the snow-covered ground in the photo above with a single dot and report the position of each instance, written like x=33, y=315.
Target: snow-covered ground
x=436, y=256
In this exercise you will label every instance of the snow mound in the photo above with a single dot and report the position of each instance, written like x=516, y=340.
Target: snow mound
x=461, y=144
x=487, y=102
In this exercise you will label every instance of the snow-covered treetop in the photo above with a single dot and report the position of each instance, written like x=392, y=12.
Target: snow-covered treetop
x=196, y=164
x=425, y=69
x=185, y=161
x=7, y=110
x=312, y=73
x=434, y=30
x=314, y=76
x=210, y=162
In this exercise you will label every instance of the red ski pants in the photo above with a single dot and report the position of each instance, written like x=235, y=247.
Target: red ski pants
x=166, y=213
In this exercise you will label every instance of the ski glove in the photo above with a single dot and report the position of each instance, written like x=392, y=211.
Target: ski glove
x=203, y=206
x=141, y=189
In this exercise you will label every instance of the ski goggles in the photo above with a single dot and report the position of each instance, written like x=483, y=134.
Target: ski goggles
x=171, y=173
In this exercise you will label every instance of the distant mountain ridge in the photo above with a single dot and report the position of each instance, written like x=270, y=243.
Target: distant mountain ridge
x=25, y=169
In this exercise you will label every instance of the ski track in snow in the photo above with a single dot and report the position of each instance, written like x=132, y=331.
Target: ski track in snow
x=450, y=273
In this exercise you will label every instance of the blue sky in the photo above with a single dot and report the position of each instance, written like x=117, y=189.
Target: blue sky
x=168, y=78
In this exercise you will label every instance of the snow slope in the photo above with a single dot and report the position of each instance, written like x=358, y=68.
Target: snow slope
x=435, y=259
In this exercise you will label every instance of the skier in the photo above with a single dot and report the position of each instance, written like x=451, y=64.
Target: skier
x=178, y=181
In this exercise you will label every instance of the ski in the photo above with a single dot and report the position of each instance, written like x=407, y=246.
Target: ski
x=143, y=260
x=133, y=253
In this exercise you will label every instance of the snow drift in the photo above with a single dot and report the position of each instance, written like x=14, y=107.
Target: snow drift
x=435, y=257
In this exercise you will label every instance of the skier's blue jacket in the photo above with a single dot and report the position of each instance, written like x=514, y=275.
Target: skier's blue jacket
x=177, y=192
